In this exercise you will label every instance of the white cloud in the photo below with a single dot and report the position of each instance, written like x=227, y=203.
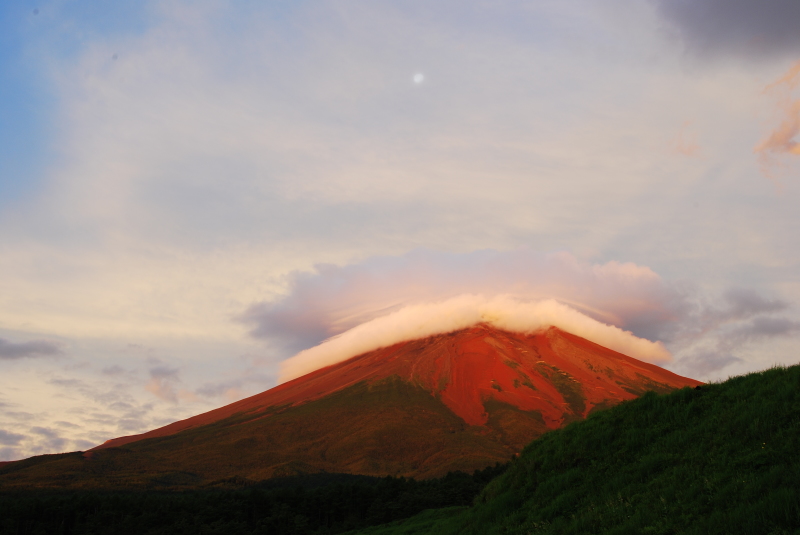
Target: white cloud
x=359, y=304
x=333, y=299
x=422, y=320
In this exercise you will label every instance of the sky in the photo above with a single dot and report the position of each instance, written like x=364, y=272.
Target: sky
x=191, y=193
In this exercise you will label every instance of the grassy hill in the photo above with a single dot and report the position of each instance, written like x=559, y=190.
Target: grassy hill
x=724, y=458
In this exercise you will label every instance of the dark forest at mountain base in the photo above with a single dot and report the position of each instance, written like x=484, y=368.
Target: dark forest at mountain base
x=314, y=504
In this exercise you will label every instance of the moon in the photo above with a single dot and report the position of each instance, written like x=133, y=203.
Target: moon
x=419, y=78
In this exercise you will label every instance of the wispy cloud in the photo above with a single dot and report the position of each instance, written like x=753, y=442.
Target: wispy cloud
x=713, y=335
x=230, y=390
x=10, y=454
x=31, y=349
x=162, y=383
x=51, y=439
x=734, y=306
x=782, y=140
x=707, y=362
x=113, y=370
x=685, y=143
x=10, y=439
x=762, y=327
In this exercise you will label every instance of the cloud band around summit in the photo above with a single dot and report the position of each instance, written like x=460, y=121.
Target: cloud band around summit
x=334, y=299
x=337, y=303
x=504, y=312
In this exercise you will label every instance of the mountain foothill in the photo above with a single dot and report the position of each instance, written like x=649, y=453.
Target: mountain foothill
x=458, y=401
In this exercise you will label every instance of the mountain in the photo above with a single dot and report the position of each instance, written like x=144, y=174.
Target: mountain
x=719, y=459
x=420, y=408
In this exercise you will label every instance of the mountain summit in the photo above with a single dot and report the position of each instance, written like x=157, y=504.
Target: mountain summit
x=421, y=408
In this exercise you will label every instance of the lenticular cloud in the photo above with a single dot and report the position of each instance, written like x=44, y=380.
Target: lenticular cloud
x=504, y=312
x=334, y=299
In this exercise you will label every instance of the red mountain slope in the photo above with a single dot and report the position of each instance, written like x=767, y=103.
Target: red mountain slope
x=457, y=401
x=558, y=374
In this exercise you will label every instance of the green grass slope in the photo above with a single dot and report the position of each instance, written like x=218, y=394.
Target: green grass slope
x=724, y=458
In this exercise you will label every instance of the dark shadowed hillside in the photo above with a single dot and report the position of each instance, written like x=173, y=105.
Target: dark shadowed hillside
x=719, y=459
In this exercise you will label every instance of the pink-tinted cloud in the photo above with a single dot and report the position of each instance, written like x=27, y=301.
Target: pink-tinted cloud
x=162, y=383
x=781, y=141
x=685, y=143
x=380, y=300
x=333, y=299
